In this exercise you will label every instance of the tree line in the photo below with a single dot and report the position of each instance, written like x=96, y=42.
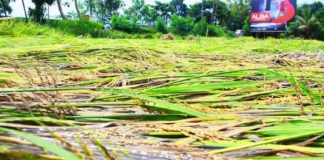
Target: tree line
x=205, y=17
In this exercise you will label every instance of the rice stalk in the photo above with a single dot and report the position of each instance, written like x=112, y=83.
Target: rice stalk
x=274, y=140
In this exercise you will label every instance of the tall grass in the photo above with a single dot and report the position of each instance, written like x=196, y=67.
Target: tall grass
x=78, y=27
x=18, y=28
x=60, y=28
x=122, y=29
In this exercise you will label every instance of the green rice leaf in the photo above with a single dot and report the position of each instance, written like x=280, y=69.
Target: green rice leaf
x=44, y=144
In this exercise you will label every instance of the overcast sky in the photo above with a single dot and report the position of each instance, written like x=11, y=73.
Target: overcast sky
x=18, y=9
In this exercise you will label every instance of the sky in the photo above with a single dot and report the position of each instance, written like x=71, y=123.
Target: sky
x=18, y=9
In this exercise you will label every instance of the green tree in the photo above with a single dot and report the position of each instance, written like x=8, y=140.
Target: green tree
x=89, y=6
x=77, y=8
x=214, y=11
x=239, y=10
x=201, y=27
x=90, y=2
x=314, y=7
x=83, y=9
x=59, y=5
x=4, y=4
x=136, y=10
x=164, y=10
x=124, y=23
x=320, y=16
x=182, y=25
x=38, y=12
x=307, y=23
x=24, y=8
x=160, y=26
x=149, y=14
x=181, y=8
x=105, y=9
x=246, y=26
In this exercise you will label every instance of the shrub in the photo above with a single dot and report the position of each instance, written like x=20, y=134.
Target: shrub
x=293, y=29
x=160, y=26
x=78, y=27
x=228, y=32
x=18, y=27
x=200, y=27
x=124, y=23
x=246, y=27
x=181, y=25
x=205, y=29
x=218, y=31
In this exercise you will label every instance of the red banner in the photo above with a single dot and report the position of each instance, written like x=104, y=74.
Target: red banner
x=260, y=17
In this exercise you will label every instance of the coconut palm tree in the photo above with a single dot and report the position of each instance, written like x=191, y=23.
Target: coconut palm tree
x=307, y=23
x=77, y=8
x=60, y=9
x=23, y=4
x=4, y=5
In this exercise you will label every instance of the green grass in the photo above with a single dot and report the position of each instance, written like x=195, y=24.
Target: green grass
x=20, y=28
